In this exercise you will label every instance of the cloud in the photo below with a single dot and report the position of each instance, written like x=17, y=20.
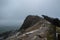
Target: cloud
x=13, y=10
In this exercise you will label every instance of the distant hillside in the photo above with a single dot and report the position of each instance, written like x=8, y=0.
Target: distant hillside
x=8, y=28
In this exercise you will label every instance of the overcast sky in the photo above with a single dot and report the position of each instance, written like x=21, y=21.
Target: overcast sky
x=13, y=12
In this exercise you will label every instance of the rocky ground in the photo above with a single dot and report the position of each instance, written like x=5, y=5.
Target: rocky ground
x=34, y=28
x=33, y=33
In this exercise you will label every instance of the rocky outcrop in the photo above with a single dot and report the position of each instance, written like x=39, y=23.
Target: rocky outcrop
x=29, y=21
x=54, y=21
x=35, y=32
x=35, y=28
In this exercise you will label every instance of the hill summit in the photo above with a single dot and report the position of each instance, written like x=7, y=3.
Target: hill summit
x=30, y=21
x=34, y=28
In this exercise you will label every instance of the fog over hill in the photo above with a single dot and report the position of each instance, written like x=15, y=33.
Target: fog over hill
x=17, y=10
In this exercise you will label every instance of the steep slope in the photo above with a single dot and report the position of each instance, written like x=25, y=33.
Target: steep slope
x=37, y=29
x=34, y=28
x=54, y=21
x=29, y=21
x=36, y=32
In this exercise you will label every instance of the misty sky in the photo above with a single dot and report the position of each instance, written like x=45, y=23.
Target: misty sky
x=13, y=12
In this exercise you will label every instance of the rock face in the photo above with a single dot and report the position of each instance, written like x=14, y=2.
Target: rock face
x=54, y=21
x=29, y=21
